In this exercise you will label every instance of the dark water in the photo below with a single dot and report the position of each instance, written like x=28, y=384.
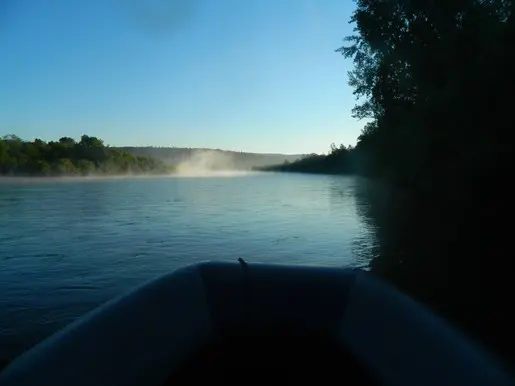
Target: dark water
x=67, y=246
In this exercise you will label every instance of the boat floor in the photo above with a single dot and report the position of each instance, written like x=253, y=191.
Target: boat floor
x=271, y=359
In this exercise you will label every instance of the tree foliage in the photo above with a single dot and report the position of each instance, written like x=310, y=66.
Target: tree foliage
x=434, y=77
x=68, y=157
x=428, y=74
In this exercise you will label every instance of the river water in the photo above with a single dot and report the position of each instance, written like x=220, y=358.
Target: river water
x=68, y=245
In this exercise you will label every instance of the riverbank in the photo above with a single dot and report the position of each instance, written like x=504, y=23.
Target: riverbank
x=338, y=161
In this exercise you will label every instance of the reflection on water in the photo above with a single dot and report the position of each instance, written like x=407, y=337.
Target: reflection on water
x=365, y=245
x=445, y=252
x=67, y=246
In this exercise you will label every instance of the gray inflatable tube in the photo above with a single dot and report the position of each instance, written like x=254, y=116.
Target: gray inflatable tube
x=231, y=323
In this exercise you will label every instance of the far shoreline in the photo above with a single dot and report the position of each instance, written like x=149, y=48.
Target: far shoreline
x=102, y=177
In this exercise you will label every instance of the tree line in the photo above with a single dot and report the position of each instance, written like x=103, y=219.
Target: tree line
x=68, y=157
x=338, y=161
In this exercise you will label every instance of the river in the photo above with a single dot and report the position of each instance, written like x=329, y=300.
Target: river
x=68, y=245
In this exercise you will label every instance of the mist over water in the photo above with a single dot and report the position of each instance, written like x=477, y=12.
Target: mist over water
x=209, y=163
x=19, y=180
x=213, y=174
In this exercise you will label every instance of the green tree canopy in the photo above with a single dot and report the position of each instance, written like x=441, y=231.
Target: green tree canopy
x=67, y=157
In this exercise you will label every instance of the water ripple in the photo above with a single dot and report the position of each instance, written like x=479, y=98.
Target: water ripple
x=67, y=247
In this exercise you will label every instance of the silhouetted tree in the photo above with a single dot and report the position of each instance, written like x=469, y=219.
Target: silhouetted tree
x=338, y=161
x=67, y=141
x=432, y=77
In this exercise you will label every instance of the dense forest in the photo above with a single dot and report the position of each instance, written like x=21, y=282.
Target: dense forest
x=68, y=157
x=434, y=80
x=213, y=159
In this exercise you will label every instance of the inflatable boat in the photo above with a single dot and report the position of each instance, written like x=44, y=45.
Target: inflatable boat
x=254, y=324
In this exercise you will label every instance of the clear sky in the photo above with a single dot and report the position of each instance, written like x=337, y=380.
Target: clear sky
x=250, y=75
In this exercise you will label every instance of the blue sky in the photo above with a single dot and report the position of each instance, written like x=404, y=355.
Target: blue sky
x=253, y=75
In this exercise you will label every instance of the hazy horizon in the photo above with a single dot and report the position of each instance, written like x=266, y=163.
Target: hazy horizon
x=206, y=148
x=256, y=76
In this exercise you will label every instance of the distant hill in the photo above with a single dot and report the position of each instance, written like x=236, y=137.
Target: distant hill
x=188, y=159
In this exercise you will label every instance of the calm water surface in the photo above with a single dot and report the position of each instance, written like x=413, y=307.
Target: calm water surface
x=68, y=245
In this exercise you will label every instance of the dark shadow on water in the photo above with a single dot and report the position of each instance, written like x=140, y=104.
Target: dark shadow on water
x=451, y=255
